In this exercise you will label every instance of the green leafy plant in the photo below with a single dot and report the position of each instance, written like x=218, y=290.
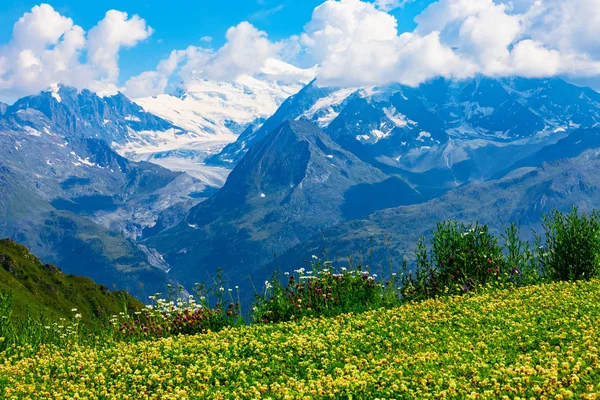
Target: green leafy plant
x=462, y=257
x=322, y=291
x=181, y=313
x=572, y=247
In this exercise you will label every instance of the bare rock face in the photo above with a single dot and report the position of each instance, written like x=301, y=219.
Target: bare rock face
x=7, y=263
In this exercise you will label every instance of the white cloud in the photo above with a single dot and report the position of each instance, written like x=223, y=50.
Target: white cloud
x=47, y=48
x=245, y=52
x=388, y=5
x=357, y=43
x=105, y=40
x=153, y=83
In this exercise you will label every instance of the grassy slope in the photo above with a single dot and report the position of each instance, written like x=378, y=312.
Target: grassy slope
x=536, y=342
x=40, y=289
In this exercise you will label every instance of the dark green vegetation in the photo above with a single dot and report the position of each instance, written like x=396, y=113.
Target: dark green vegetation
x=34, y=294
x=391, y=235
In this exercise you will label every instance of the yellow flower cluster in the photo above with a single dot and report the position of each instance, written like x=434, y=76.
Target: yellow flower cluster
x=538, y=342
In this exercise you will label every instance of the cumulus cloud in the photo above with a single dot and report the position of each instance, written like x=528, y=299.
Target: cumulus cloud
x=354, y=42
x=245, y=52
x=358, y=43
x=112, y=33
x=47, y=48
x=153, y=83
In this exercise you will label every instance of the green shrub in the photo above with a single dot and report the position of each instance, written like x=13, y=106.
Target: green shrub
x=322, y=291
x=572, y=247
x=461, y=258
x=522, y=262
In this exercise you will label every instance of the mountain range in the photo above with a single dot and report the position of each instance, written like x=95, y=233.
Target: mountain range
x=128, y=192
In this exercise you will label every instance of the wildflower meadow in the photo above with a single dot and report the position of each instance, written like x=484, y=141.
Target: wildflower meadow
x=534, y=342
x=478, y=316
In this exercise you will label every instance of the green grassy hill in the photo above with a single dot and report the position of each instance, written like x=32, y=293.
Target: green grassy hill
x=39, y=289
x=534, y=342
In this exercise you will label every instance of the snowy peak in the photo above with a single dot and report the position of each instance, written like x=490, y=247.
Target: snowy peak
x=226, y=108
x=214, y=114
x=318, y=104
x=279, y=71
x=84, y=113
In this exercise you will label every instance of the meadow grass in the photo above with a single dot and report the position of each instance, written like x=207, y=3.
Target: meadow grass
x=534, y=342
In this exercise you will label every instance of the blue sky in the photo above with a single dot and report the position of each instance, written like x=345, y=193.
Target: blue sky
x=178, y=24
x=147, y=47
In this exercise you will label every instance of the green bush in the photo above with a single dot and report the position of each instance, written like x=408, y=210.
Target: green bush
x=461, y=258
x=321, y=291
x=572, y=247
x=523, y=263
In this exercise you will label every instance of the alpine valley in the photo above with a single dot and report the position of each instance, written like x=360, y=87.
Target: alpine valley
x=228, y=174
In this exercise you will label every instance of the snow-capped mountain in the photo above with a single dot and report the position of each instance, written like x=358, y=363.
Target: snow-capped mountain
x=456, y=131
x=318, y=104
x=468, y=129
x=215, y=113
x=69, y=173
x=127, y=128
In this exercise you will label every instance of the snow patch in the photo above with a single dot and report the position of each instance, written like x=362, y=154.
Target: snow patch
x=397, y=118
x=326, y=108
x=53, y=89
x=424, y=135
x=81, y=161
x=379, y=134
x=132, y=118
x=31, y=131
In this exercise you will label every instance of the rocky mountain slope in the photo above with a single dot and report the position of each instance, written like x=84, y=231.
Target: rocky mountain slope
x=286, y=188
x=341, y=169
x=484, y=149
x=71, y=198
x=445, y=131
x=520, y=196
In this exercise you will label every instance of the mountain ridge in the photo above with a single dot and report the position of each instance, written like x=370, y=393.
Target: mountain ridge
x=43, y=290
